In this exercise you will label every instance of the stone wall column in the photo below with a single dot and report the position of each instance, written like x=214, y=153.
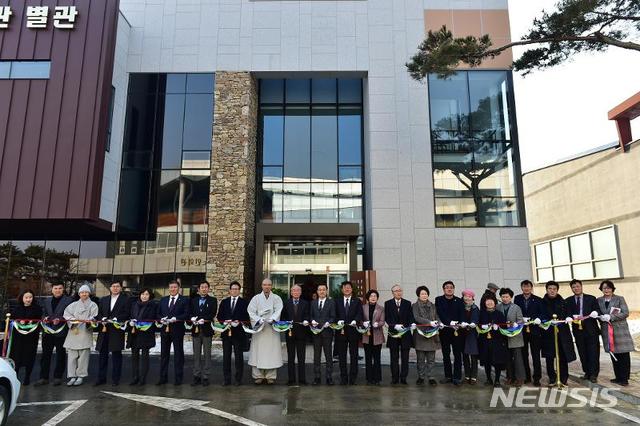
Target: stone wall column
x=232, y=198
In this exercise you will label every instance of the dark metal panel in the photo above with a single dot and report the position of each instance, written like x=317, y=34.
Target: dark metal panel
x=13, y=33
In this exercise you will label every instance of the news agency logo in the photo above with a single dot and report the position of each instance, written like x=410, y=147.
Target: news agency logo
x=526, y=397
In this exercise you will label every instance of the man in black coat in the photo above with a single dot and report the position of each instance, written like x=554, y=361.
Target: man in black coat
x=53, y=311
x=450, y=309
x=297, y=310
x=111, y=339
x=323, y=312
x=203, y=310
x=398, y=314
x=233, y=311
x=587, y=334
x=531, y=306
x=173, y=310
x=348, y=313
x=553, y=304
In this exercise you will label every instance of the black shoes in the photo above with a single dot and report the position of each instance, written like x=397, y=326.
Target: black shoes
x=196, y=381
x=205, y=382
x=433, y=382
x=134, y=382
x=445, y=380
x=420, y=381
x=177, y=383
x=100, y=383
x=162, y=382
x=403, y=381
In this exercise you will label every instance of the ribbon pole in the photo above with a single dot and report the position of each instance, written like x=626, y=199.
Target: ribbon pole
x=6, y=334
x=557, y=361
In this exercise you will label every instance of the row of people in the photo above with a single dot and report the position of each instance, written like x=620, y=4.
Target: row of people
x=494, y=351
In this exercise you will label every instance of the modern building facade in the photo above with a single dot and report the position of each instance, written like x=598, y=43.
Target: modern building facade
x=584, y=216
x=236, y=139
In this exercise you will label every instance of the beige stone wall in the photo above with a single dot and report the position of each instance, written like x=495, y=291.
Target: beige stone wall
x=232, y=198
x=586, y=193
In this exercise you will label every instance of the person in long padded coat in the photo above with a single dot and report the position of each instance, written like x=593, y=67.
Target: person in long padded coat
x=424, y=313
x=373, y=315
x=492, y=345
x=513, y=315
x=114, y=306
x=25, y=346
x=470, y=353
x=141, y=341
x=553, y=304
x=616, y=337
x=80, y=336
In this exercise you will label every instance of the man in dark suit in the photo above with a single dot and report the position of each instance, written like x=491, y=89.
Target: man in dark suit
x=587, y=334
x=173, y=310
x=398, y=315
x=233, y=311
x=531, y=307
x=110, y=339
x=296, y=309
x=450, y=309
x=323, y=313
x=348, y=313
x=53, y=310
x=203, y=310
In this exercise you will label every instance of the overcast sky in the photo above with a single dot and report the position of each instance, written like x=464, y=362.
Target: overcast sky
x=563, y=111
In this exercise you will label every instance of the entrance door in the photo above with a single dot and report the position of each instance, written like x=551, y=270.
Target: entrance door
x=309, y=283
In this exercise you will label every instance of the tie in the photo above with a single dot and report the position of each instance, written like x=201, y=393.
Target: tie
x=202, y=300
x=172, y=303
x=295, y=307
x=320, y=306
x=233, y=304
x=346, y=305
x=398, y=305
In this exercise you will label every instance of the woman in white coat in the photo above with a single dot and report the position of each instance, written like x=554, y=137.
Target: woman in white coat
x=80, y=336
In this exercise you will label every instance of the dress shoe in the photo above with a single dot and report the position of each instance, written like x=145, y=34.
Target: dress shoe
x=623, y=383
x=496, y=384
x=162, y=382
x=446, y=380
x=584, y=377
x=420, y=381
x=196, y=381
x=226, y=383
x=457, y=382
x=115, y=383
x=177, y=383
x=614, y=380
x=473, y=381
x=593, y=379
x=205, y=382
x=42, y=382
x=403, y=381
x=433, y=382
x=315, y=382
x=271, y=382
x=57, y=382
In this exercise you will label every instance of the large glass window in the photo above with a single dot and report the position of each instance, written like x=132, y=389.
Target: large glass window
x=475, y=157
x=585, y=256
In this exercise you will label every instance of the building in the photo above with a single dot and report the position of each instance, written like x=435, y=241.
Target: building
x=233, y=139
x=584, y=215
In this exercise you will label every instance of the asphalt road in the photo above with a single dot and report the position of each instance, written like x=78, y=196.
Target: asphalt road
x=280, y=404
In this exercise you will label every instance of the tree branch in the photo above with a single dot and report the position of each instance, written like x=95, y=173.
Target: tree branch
x=596, y=37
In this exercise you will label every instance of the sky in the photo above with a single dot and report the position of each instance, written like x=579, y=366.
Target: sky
x=562, y=111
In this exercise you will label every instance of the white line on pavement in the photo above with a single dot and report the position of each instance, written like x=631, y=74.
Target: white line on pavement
x=73, y=406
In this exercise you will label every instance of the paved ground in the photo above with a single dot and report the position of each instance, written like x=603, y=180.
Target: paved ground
x=279, y=404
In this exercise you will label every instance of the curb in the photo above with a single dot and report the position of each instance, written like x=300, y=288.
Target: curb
x=630, y=398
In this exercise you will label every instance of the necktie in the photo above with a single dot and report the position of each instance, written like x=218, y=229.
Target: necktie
x=320, y=306
x=172, y=303
x=202, y=300
x=233, y=303
x=295, y=306
x=398, y=305
x=346, y=305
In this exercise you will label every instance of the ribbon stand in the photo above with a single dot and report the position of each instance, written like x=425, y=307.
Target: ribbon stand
x=559, y=384
x=6, y=335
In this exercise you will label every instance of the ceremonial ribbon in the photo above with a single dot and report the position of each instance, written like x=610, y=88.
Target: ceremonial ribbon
x=255, y=329
x=428, y=332
x=511, y=331
x=25, y=328
x=282, y=326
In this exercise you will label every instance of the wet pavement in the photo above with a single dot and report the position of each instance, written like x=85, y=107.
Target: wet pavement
x=307, y=405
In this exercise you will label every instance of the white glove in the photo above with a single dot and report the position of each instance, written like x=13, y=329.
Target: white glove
x=341, y=322
x=234, y=323
x=433, y=323
x=495, y=326
x=305, y=323
x=314, y=323
x=606, y=317
x=173, y=319
x=568, y=320
x=366, y=324
x=525, y=319
x=452, y=323
x=353, y=323
x=270, y=321
x=472, y=325
x=326, y=324
x=194, y=319
x=103, y=319
x=413, y=325
x=163, y=319
x=485, y=327
x=464, y=325
x=375, y=325
x=575, y=317
x=201, y=321
x=134, y=320
x=398, y=327
x=114, y=319
x=593, y=314
x=537, y=321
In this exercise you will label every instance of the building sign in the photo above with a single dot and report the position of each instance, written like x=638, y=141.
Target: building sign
x=37, y=17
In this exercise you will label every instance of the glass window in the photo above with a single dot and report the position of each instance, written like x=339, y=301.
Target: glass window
x=350, y=174
x=298, y=91
x=323, y=90
x=198, y=122
x=562, y=273
x=543, y=255
x=196, y=160
x=133, y=214
x=324, y=144
x=297, y=145
x=194, y=193
x=176, y=83
x=545, y=274
x=560, y=252
x=5, y=67
x=604, y=244
x=296, y=202
x=200, y=83
x=324, y=202
x=272, y=136
x=350, y=135
x=271, y=91
x=580, y=248
x=172, y=131
x=146, y=83
x=271, y=202
x=140, y=130
x=488, y=118
x=449, y=106
x=350, y=90
x=169, y=201
x=607, y=269
x=583, y=271
x=272, y=174
x=30, y=69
